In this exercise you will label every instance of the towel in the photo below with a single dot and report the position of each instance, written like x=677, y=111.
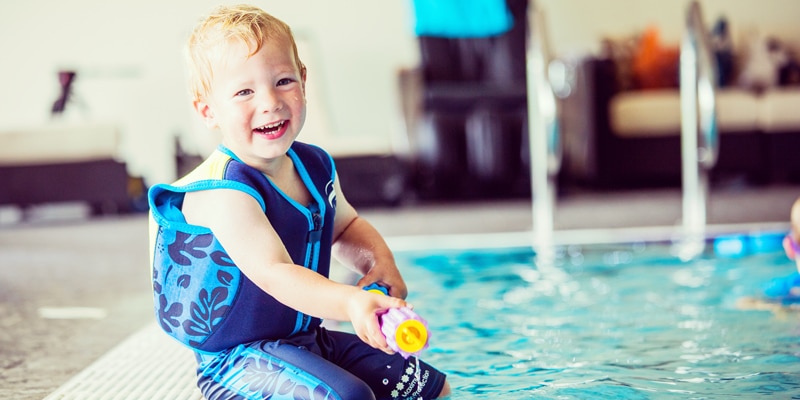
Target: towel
x=461, y=18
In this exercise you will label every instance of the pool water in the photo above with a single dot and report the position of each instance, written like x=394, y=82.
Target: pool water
x=625, y=321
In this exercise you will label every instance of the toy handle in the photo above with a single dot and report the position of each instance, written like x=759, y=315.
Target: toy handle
x=376, y=287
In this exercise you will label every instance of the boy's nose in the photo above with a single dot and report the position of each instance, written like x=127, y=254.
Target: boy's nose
x=269, y=101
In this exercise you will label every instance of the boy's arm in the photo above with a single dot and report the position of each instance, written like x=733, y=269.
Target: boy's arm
x=253, y=244
x=359, y=245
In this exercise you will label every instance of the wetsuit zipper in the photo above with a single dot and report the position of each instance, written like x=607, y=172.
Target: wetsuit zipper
x=313, y=238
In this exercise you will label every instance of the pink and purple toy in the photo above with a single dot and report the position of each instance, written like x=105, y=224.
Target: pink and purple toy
x=405, y=331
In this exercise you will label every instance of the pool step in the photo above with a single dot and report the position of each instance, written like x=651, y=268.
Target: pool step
x=148, y=365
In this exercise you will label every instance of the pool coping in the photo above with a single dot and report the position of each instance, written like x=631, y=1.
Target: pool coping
x=671, y=233
x=147, y=365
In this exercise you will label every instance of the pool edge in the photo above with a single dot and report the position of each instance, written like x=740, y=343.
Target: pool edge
x=491, y=240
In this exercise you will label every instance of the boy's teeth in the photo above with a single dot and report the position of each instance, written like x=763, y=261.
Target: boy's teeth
x=270, y=127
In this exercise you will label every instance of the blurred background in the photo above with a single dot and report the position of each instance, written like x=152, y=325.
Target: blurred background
x=423, y=104
x=408, y=112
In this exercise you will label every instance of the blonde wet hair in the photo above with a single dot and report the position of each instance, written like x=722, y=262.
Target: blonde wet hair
x=241, y=23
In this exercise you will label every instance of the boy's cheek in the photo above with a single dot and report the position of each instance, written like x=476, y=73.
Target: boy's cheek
x=787, y=248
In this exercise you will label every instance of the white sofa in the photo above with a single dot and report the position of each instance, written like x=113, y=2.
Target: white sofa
x=657, y=112
x=633, y=136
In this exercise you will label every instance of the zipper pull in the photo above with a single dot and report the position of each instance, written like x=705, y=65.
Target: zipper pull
x=315, y=233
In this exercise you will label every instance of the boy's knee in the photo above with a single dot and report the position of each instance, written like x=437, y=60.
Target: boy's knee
x=445, y=390
x=353, y=389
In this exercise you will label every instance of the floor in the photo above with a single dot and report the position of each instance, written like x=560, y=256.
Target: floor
x=72, y=289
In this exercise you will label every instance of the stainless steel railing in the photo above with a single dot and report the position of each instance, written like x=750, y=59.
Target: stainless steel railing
x=543, y=131
x=699, y=130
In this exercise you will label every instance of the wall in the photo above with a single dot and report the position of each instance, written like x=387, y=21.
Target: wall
x=574, y=26
x=128, y=56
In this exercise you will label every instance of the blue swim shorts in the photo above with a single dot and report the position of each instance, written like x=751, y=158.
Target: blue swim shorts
x=319, y=364
x=784, y=289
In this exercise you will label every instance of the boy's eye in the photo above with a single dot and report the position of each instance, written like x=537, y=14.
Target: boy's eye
x=285, y=81
x=244, y=92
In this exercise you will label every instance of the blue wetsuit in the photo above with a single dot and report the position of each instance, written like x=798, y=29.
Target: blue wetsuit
x=249, y=345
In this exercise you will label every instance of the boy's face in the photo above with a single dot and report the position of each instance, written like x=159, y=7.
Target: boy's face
x=258, y=102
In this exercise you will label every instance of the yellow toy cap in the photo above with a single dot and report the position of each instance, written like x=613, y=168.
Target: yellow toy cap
x=411, y=336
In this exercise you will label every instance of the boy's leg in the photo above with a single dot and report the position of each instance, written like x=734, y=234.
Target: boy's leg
x=276, y=370
x=389, y=376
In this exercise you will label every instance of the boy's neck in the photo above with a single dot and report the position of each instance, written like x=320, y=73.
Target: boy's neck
x=287, y=179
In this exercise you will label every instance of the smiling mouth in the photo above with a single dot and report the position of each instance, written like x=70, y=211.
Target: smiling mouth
x=270, y=129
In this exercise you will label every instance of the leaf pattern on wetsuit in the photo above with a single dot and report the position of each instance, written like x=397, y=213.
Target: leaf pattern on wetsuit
x=221, y=258
x=261, y=375
x=168, y=313
x=194, y=284
x=206, y=313
x=265, y=377
x=190, y=244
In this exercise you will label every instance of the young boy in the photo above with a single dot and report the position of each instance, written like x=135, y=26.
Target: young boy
x=787, y=289
x=790, y=242
x=242, y=244
x=782, y=292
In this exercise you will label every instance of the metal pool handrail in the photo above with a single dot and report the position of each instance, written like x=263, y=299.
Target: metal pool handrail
x=699, y=131
x=543, y=132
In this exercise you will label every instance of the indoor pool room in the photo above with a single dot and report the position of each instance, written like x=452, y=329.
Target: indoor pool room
x=585, y=199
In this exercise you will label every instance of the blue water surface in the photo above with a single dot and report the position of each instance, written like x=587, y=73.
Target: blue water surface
x=624, y=321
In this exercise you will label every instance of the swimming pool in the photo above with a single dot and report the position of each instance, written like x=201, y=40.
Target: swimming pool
x=625, y=321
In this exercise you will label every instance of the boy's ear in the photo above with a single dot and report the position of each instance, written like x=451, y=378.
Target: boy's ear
x=206, y=113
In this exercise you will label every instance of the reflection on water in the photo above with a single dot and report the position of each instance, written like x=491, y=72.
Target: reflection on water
x=628, y=321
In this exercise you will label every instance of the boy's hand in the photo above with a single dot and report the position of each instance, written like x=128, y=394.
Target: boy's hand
x=364, y=309
x=388, y=277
